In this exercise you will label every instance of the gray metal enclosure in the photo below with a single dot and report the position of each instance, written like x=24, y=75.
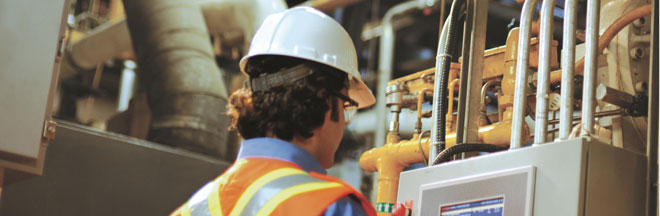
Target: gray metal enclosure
x=90, y=172
x=573, y=177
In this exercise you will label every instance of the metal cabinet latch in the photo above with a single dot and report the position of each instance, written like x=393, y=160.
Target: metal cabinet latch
x=49, y=130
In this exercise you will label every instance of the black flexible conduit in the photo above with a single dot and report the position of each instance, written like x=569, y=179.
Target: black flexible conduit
x=446, y=155
x=443, y=76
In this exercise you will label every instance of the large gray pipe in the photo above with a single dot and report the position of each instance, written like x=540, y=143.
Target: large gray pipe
x=520, y=97
x=186, y=93
x=385, y=57
x=567, y=70
x=590, y=67
x=543, y=86
x=222, y=16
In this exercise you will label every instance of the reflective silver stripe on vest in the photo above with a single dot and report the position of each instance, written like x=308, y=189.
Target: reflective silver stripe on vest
x=199, y=203
x=200, y=209
x=270, y=189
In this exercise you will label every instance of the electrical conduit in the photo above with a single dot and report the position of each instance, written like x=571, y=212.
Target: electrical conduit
x=543, y=86
x=568, y=68
x=522, y=64
x=443, y=60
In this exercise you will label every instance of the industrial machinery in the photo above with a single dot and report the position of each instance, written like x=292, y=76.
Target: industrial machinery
x=600, y=160
x=48, y=164
x=574, y=177
x=542, y=125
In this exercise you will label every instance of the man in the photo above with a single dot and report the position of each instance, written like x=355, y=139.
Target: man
x=304, y=88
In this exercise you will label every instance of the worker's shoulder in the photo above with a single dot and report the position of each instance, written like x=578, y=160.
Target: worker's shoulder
x=346, y=205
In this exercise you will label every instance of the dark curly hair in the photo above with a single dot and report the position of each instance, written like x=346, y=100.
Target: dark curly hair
x=285, y=111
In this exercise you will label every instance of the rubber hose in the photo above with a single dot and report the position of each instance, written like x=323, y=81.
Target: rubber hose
x=445, y=155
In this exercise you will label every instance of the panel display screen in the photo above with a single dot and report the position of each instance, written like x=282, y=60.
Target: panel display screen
x=483, y=207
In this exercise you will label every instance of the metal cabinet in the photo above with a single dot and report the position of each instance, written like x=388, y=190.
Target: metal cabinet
x=31, y=47
x=573, y=177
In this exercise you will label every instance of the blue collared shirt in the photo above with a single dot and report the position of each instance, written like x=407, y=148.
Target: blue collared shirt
x=286, y=151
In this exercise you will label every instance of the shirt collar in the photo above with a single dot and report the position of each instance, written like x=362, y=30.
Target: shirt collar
x=265, y=147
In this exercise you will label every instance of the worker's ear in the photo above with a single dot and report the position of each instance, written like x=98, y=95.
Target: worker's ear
x=334, y=109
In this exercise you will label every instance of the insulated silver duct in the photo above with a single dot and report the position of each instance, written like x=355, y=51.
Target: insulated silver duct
x=520, y=97
x=186, y=93
x=222, y=16
x=385, y=57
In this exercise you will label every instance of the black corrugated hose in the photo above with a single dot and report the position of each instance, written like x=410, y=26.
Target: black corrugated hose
x=446, y=155
x=445, y=63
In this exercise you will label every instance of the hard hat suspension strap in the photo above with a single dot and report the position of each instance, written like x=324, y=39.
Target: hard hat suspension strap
x=287, y=76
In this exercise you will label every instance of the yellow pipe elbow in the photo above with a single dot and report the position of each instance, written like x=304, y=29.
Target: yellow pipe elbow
x=402, y=154
x=389, y=161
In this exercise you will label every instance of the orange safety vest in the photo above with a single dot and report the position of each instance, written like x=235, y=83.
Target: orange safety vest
x=263, y=186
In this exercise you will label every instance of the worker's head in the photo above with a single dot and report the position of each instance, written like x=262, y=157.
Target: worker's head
x=290, y=98
x=303, y=74
x=312, y=105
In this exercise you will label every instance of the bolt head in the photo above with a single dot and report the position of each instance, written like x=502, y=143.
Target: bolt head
x=639, y=23
x=637, y=53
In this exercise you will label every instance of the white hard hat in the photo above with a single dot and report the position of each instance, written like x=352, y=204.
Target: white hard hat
x=306, y=33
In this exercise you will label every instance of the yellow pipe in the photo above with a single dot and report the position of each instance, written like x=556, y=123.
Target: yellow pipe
x=450, y=105
x=420, y=101
x=509, y=79
x=116, y=11
x=453, y=71
x=508, y=83
x=390, y=159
